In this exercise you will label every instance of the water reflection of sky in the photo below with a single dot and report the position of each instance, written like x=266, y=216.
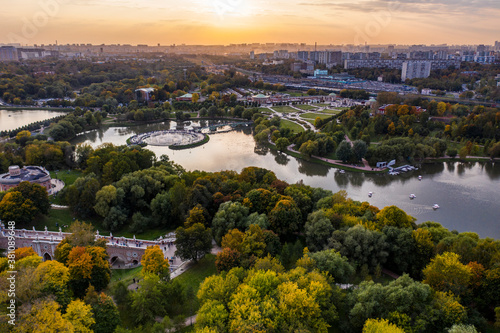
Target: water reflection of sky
x=467, y=193
x=15, y=119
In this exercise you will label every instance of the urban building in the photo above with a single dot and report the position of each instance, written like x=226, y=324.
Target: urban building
x=8, y=53
x=303, y=55
x=320, y=72
x=397, y=63
x=307, y=66
x=415, y=70
x=185, y=98
x=32, y=174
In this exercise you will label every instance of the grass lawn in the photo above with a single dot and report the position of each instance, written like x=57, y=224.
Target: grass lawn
x=323, y=104
x=313, y=116
x=331, y=111
x=67, y=176
x=284, y=109
x=331, y=156
x=124, y=275
x=291, y=125
x=195, y=275
x=306, y=107
x=265, y=111
x=65, y=217
x=61, y=217
x=296, y=93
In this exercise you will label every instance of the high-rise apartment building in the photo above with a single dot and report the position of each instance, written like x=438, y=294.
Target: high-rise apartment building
x=415, y=69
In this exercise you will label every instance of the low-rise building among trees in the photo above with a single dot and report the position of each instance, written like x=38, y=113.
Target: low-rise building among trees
x=32, y=174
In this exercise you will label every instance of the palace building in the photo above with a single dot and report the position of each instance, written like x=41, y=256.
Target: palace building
x=32, y=174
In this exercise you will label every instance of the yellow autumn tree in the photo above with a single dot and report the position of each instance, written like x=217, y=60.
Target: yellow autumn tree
x=24, y=252
x=441, y=108
x=195, y=216
x=446, y=273
x=45, y=317
x=80, y=316
x=79, y=263
x=153, y=262
x=391, y=128
x=380, y=326
x=52, y=273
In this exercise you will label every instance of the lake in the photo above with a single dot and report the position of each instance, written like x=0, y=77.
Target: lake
x=10, y=120
x=468, y=193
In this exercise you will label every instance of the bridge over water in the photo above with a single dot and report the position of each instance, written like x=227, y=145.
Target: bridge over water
x=123, y=252
x=214, y=128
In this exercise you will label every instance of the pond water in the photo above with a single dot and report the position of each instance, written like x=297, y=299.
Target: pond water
x=468, y=193
x=10, y=120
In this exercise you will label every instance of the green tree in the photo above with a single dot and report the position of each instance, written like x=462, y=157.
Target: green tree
x=285, y=218
x=106, y=315
x=230, y=215
x=361, y=246
x=332, y=262
x=404, y=296
x=37, y=194
x=309, y=148
x=193, y=242
x=14, y=207
x=318, y=230
x=359, y=149
x=282, y=144
x=344, y=151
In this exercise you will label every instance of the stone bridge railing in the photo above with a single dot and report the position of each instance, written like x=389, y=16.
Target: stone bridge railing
x=123, y=252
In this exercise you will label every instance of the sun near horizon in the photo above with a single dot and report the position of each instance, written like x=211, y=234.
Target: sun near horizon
x=211, y=22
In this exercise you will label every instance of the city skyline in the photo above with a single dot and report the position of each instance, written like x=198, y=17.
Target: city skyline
x=242, y=21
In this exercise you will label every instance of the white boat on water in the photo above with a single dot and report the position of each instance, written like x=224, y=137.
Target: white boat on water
x=412, y=196
x=419, y=177
x=341, y=171
x=370, y=194
x=436, y=206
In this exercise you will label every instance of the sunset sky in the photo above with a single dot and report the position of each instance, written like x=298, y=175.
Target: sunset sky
x=247, y=21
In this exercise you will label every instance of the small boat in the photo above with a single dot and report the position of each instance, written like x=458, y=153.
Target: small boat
x=370, y=194
x=341, y=171
x=419, y=177
x=436, y=206
x=412, y=196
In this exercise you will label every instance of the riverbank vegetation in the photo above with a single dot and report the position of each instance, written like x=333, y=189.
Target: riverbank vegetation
x=303, y=241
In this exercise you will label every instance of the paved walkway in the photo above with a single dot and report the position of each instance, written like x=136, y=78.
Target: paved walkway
x=280, y=115
x=57, y=185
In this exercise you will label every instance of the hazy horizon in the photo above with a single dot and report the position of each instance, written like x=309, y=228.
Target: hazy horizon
x=223, y=22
